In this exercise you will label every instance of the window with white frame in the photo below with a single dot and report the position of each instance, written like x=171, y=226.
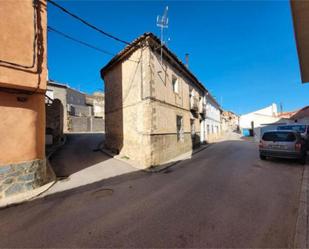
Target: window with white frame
x=175, y=84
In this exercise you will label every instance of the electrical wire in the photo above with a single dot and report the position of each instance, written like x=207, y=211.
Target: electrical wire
x=35, y=38
x=87, y=23
x=51, y=29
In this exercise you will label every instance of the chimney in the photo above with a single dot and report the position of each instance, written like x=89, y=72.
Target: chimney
x=187, y=60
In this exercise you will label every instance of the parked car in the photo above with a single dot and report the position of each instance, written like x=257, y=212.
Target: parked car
x=283, y=144
x=300, y=128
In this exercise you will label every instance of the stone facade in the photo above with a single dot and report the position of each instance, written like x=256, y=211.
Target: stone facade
x=153, y=111
x=21, y=177
x=81, y=112
x=54, y=120
x=96, y=100
x=55, y=91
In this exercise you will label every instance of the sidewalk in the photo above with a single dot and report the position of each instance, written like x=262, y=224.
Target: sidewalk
x=301, y=238
x=113, y=166
x=95, y=173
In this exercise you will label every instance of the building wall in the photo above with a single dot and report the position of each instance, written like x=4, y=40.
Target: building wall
x=141, y=109
x=60, y=93
x=212, y=127
x=18, y=68
x=22, y=103
x=166, y=105
x=126, y=116
x=75, y=97
x=262, y=116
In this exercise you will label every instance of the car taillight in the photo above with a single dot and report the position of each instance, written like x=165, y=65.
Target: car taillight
x=298, y=146
x=261, y=145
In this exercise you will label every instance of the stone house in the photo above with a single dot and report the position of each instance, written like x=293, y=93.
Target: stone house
x=154, y=109
x=23, y=73
x=81, y=112
x=96, y=100
x=229, y=121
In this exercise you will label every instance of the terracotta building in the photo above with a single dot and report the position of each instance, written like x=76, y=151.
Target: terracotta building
x=154, y=109
x=22, y=87
x=300, y=12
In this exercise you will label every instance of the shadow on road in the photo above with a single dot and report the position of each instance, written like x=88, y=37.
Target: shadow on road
x=79, y=152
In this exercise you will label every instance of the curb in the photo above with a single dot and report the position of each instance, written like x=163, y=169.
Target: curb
x=32, y=194
x=301, y=229
x=35, y=193
x=153, y=169
x=160, y=168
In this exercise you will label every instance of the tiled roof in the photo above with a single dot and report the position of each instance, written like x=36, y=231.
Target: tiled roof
x=304, y=112
x=135, y=45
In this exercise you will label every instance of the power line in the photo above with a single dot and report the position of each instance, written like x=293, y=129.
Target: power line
x=87, y=23
x=51, y=29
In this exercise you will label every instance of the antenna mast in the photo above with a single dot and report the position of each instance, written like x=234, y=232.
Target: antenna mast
x=162, y=23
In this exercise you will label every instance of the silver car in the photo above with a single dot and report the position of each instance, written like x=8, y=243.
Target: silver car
x=283, y=144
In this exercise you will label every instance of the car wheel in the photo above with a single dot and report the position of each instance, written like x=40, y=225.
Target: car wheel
x=262, y=157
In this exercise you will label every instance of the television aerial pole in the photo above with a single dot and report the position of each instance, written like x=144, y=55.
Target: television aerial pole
x=162, y=23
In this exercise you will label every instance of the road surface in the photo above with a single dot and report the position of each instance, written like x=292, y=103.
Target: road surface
x=223, y=197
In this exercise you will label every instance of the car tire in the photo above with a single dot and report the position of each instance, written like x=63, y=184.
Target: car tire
x=262, y=157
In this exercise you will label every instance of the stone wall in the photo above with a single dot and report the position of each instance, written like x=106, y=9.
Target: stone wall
x=97, y=124
x=60, y=92
x=86, y=124
x=54, y=120
x=80, y=111
x=21, y=177
x=141, y=109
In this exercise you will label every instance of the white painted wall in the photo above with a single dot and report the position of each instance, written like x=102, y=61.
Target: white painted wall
x=263, y=116
x=212, y=124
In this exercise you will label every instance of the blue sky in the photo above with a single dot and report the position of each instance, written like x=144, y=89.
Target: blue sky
x=243, y=51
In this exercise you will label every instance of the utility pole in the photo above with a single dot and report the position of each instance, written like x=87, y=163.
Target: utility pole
x=162, y=23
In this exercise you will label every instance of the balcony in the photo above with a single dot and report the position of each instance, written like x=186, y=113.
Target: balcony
x=194, y=105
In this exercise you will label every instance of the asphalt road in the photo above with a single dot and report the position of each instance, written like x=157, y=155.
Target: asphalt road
x=78, y=153
x=223, y=197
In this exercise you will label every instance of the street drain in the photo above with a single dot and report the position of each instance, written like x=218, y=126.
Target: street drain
x=102, y=192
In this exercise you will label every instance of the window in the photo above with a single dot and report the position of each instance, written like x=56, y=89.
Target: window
x=192, y=127
x=212, y=129
x=175, y=84
x=279, y=136
x=208, y=129
x=179, y=124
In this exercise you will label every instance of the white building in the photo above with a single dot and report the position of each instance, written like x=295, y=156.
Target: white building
x=257, y=118
x=264, y=119
x=212, y=121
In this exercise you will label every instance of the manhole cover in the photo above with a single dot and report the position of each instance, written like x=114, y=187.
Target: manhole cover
x=102, y=192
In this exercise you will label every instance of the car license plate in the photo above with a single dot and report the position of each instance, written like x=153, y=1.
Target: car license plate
x=278, y=147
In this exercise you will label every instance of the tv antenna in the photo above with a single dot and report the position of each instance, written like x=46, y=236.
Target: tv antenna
x=162, y=23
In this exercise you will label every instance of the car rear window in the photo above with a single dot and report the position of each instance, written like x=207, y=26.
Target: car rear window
x=279, y=136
